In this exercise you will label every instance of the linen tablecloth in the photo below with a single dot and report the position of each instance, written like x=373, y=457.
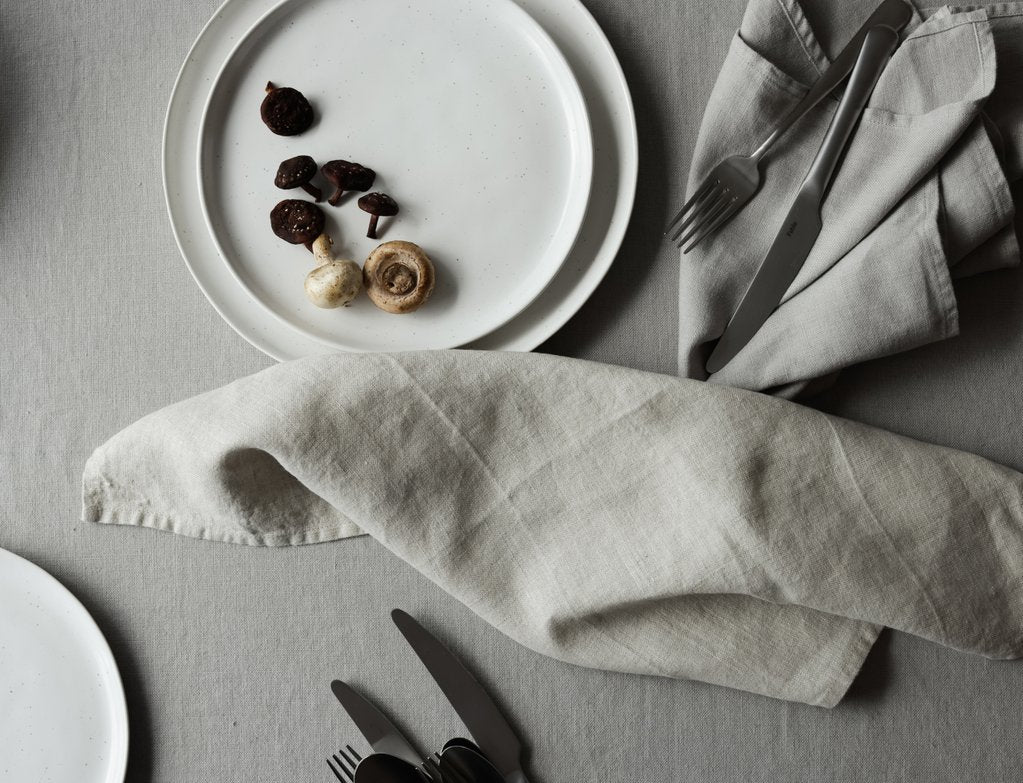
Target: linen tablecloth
x=222, y=648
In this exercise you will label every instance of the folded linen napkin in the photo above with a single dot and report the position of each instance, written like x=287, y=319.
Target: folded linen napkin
x=921, y=196
x=607, y=517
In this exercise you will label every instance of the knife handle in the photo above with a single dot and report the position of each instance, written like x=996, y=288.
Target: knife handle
x=877, y=48
x=894, y=14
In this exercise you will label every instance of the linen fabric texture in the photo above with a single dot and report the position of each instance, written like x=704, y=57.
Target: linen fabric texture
x=922, y=195
x=607, y=517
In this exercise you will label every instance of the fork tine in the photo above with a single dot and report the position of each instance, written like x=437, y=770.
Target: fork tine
x=699, y=218
x=730, y=209
x=352, y=763
x=431, y=767
x=354, y=752
x=452, y=775
x=701, y=204
x=707, y=183
x=339, y=769
x=708, y=217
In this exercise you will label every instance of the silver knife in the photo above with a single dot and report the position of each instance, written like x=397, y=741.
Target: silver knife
x=802, y=225
x=474, y=706
x=379, y=732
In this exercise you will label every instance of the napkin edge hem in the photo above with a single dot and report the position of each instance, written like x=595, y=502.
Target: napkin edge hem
x=101, y=506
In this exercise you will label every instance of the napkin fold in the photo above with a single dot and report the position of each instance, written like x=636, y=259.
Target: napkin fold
x=604, y=516
x=921, y=196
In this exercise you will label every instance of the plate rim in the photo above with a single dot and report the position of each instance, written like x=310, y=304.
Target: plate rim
x=540, y=328
x=577, y=202
x=99, y=644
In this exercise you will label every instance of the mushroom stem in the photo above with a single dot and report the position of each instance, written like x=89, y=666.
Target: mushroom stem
x=372, y=233
x=313, y=191
x=309, y=246
x=335, y=197
x=270, y=87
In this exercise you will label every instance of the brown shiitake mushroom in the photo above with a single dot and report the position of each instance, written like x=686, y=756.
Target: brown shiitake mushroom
x=398, y=276
x=335, y=282
x=298, y=222
x=285, y=110
x=345, y=175
x=378, y=205
x=298, y=172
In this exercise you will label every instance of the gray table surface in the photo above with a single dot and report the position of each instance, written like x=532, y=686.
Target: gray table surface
x=226, y=651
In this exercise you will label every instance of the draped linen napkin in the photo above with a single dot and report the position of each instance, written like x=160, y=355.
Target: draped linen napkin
x=604, y=516
x=921, y=196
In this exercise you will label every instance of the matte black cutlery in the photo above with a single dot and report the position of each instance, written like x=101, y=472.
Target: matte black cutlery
x=349, y=767
x=379, y=732
x=488, y=726
x=460, y=761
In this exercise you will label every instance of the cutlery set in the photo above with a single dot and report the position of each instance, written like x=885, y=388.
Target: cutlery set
x=734, y=182
x=493, y=756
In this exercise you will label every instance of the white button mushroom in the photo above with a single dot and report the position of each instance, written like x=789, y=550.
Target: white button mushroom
x=335, y=282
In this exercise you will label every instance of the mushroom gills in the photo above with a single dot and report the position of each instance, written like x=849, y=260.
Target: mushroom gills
x=399, y=277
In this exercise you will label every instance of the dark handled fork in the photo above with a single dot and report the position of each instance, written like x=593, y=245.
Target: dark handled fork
x=345, y=765
x=734, y=181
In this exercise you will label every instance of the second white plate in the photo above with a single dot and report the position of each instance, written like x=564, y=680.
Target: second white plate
x=474, y=123
x=62, y=710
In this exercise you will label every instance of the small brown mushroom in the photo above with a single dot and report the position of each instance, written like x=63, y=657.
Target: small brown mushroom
x=345, y=175
x=377, y=205
x=298, y=222
x=285, y=110
x=298, y=172
x=398, y=277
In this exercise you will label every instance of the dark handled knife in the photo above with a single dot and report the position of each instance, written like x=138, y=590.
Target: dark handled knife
x=474, y=706
x=802, y=225
x=379, y=732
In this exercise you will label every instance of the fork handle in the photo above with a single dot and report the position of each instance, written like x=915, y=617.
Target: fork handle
x=892, y=14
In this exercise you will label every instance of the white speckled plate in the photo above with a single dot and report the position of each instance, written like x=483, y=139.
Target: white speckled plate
x=62, y=712
x=472, y=120
x=615, y=162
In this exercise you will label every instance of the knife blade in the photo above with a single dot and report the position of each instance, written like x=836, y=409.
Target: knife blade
x=802, y=225
x=379, y=732
x=473, y=704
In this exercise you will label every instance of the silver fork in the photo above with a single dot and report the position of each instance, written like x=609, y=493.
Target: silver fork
x=733, y=182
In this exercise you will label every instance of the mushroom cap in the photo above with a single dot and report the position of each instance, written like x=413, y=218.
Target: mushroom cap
x=295, y=172
x=347, y=175
x=398, y=276
x=334, y=284
x=297, y=221
x=379, y=204
x=285, y=110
